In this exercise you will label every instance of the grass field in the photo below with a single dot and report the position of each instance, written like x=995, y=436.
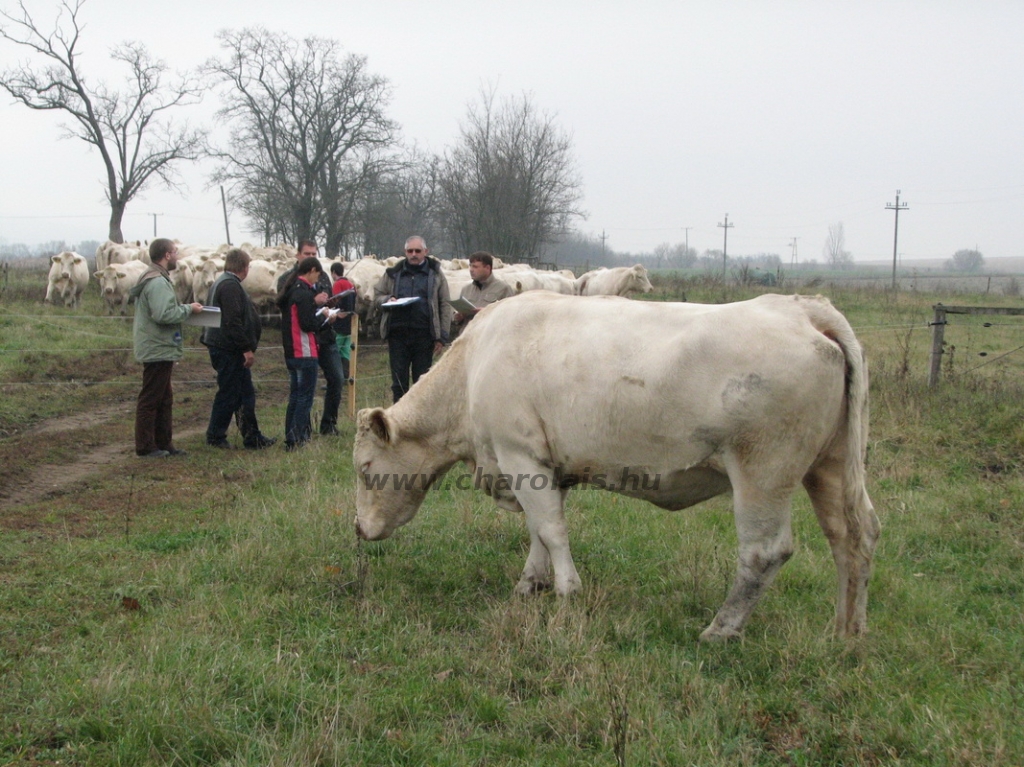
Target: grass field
x=218, y=610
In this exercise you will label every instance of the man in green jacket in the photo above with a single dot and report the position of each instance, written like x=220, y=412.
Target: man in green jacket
x=156, y=334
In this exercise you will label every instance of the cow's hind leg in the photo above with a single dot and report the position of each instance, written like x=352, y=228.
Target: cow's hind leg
x=852, y=538
x=543, y=505
x=765, y=543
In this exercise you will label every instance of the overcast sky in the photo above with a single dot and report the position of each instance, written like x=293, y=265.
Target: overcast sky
x=789, y=116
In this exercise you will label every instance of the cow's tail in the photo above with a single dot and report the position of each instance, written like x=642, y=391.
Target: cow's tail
x=861, y=522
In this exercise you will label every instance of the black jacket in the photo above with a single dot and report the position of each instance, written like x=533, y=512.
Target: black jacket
x=240, y=326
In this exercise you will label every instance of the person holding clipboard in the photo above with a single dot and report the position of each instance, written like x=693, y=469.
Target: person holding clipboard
x=485, y=289
x=415, y=316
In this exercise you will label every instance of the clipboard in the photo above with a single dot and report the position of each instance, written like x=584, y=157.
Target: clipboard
x=462, y=306
x=399, y=302
x=209, y=317
x=336, y=300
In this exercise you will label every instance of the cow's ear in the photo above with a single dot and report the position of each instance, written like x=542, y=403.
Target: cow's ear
x=375, y=421
x=55, y=259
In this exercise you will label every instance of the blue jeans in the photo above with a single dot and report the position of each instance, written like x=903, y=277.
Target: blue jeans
x=235, y=394
x=302, y=380
x=330, y=363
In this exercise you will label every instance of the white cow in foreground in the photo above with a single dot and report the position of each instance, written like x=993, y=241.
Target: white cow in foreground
x=620, y=281
x=115, y=282
x=67, y=279
x=674, y=403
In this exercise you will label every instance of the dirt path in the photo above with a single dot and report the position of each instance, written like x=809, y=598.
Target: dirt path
x=46, y=479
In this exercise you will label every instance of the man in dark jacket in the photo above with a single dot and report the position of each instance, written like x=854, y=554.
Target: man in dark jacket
x=416, y=314
x=232, y=349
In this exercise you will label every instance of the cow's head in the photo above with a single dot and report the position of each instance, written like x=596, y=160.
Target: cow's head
x=391, y=475
x=640, y=280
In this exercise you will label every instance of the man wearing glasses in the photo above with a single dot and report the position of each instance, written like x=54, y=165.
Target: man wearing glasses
x=416, y=315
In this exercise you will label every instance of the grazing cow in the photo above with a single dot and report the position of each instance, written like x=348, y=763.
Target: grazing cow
x=67, y=280
x=620, y=281
x=674, y=403
x=115, y=282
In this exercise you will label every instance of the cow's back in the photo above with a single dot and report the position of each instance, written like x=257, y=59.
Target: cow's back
x=602, y=382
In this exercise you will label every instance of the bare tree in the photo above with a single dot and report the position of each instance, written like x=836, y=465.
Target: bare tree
x=129, y=126
x=510, y=184
x=401, y=201
x=676, y=256
x=308, y=125
x=834, y=250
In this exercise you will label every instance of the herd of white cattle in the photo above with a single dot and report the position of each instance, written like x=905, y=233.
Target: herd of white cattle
x=119, y=266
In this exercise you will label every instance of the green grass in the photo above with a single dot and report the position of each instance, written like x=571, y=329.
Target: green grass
x=219, y=611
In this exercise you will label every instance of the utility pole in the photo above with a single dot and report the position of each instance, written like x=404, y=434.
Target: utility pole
x=686, y=255
x=224, y=206
x=603, y=238
x=725, y=244
x=895, y=232
x=792, y=259
x=154, y=215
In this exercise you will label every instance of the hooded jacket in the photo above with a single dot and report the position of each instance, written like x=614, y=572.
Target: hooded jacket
x=156, y=330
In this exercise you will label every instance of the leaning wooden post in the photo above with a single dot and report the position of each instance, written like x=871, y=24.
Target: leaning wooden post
x=353, y=355
x=938, y=331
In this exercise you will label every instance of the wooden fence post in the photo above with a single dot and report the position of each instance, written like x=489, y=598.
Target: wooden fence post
x=938, y=331
x=353, y=355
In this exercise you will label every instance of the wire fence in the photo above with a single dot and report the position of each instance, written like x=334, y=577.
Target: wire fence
x=83, y=325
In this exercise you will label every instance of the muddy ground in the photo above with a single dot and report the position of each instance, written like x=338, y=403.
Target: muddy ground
x=70, y=473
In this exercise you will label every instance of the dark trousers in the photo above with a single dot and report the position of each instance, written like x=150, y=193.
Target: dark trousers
x=153, y=409
x=302, y=379
x=334, y=373
x=408, y=349
x=235, y=395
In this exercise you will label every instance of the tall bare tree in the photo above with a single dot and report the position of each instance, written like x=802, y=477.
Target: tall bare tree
x=510, y=185
x=129, y=126
x=834, y=249
x=402, y=201
x=307, y=127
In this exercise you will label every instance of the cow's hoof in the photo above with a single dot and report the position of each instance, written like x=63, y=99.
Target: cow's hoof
x=529, y=588
x=713, y=634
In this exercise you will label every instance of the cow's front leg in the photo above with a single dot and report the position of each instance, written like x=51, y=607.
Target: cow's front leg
x=536, y=575
x=543, y=505
x=547, y=526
